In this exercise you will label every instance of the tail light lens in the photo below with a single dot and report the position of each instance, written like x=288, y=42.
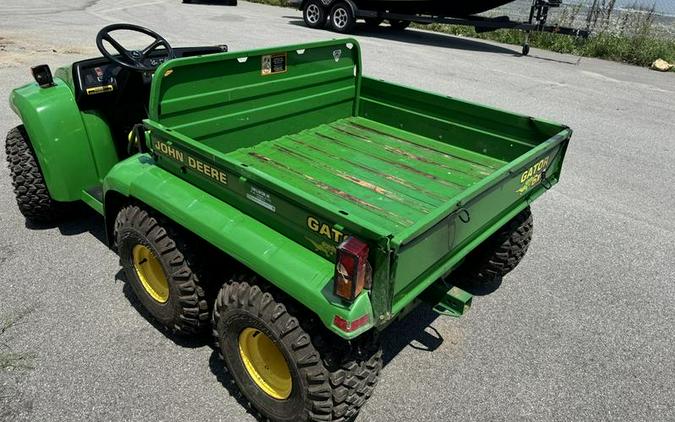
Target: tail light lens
x=352, y=270
x=352, y=326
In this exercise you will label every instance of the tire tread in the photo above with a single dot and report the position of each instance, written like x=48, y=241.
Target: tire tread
x=336, y=392
x=174, y=250
x=30, y=188
x=502, y=252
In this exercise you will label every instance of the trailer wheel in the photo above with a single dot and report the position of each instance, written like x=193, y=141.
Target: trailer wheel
x=342, y=18
x=160, y=268
x=314, y=14
x=501, y=252
x=398, y=25
x=30, y=188
x=285, y=364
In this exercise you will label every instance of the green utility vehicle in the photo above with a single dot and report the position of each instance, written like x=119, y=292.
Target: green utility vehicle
x=282, y=200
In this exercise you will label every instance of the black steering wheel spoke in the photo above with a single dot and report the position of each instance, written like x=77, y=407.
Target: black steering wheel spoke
x=117, y=46
x=132, y=59
x=152, y=47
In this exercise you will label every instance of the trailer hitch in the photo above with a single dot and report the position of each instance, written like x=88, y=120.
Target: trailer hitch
x=446, y=299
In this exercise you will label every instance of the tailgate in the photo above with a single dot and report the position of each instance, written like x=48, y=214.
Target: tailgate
x=437, y=246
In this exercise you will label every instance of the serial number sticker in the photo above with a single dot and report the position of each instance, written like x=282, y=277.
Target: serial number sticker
x=274, y=63
x=261, y=198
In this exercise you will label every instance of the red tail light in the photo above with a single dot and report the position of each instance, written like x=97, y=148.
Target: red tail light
x=349, y=327
x=352, y=270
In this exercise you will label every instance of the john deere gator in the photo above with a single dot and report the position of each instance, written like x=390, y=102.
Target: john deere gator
x=281, y=200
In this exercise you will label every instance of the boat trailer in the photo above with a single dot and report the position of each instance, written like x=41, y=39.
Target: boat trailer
x=536, y=22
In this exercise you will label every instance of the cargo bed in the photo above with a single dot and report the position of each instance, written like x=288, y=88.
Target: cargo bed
x=386, y=176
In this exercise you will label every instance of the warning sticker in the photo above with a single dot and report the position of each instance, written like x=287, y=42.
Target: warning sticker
x=261, y=198
x=273, y=64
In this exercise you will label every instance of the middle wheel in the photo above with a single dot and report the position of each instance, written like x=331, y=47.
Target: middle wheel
x=342, y=18
x=159, y=268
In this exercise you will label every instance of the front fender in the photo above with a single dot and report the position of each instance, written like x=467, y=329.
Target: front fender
x=300, y=273
x=58, y=136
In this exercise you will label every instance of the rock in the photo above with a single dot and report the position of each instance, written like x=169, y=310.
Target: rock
x=661, y=65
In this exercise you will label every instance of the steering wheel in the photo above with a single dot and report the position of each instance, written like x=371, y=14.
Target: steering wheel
x=132, y=59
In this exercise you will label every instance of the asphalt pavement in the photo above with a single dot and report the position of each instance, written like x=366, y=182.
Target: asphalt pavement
x=584, y=329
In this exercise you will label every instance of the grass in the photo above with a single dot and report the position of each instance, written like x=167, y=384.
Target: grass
x=638, y=50
x=629, y=36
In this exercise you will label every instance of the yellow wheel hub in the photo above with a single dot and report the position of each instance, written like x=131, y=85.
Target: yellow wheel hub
x=151, y=273
x=265, y=363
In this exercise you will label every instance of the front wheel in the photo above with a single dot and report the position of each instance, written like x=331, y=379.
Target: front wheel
x=342, y=18
x=314, y=14
x=30, y=188
x=286, y=366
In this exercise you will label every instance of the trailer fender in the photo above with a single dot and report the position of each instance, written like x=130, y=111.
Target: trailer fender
x=326, y=4
x=58, y=136
x=351, y=5
x=298, y=272
x=329, y=3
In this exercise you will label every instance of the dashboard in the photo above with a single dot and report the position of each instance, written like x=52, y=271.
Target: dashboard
x=100, y=78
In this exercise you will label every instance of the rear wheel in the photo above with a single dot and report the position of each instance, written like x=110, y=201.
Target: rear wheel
x=160, y=268
x=30, y=188
x=284, y=363
x=314, y=14
x=342, y=18
x=398, y=25
x=501, y=252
